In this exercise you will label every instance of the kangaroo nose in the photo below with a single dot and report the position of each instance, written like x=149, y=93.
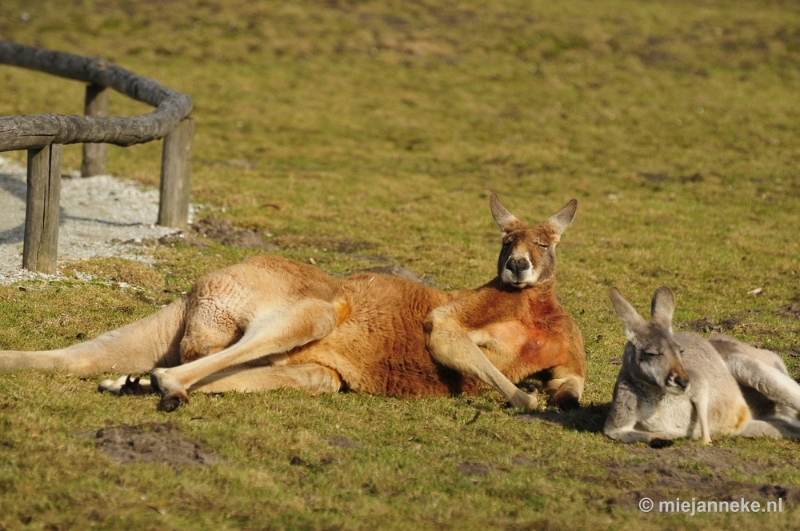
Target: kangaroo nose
x=518, y=265
x=682, y=382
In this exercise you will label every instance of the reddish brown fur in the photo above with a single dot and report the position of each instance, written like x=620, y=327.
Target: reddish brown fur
x=369, y=333
x=379, y=344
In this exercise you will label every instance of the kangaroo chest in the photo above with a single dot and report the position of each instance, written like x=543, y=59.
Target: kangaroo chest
x=508, y=342
x=671, y=415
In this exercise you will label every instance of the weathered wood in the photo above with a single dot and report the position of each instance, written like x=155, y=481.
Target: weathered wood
x=40, y=247
x=43, y=134
x=173, y=210
x=39, y=130
x=94, y=155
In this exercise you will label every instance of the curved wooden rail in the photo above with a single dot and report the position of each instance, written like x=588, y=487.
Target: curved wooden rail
x=43, y=134
x=39, y=130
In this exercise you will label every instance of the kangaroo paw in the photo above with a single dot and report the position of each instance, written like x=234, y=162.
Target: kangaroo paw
x=565, y=394
x=125, y=385
x=524, y=400
x=172, y=392
x=660, y=443
x=113, y=386
x=171, y=402
x=564, y=402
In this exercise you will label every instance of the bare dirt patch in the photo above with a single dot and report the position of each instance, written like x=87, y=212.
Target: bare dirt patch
x=343, y=442
x=339, y=245
x=469, y=468
x=150, y=443
x=790, y=310
x=706, y=325
x=664, y=474
x=702, y=473
x=223, y=231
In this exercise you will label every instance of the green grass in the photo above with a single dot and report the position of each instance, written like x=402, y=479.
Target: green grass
x=377, y=128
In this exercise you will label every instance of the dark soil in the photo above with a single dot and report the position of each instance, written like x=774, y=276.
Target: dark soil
x=684, y=471
x=223, y=231
x=473, y=469
x=343, y=442
x=339, y=245
x=187, y=239
x=150, y=443
x=692, y=472
x=790, y=310
x=707, y=325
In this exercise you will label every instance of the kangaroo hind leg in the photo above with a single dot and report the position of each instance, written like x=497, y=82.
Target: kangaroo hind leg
x=135, y=348
x=769, y=381
x=210, y=328
x=274, y=332
x=770, y=427
x=310, y=377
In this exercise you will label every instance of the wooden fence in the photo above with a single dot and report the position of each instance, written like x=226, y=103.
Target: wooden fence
x=42, y=135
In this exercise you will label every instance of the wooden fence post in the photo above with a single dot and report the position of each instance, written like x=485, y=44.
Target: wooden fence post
x=176, y=158
x=94, y=155
x=40, y=248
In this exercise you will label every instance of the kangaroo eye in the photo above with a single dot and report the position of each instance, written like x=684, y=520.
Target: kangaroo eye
x=544, y=245
x=650, y=353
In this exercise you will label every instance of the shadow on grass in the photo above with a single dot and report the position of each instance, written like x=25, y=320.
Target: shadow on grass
x=585, y=419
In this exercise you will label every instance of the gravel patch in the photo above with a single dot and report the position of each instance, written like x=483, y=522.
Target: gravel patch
x=100, y=216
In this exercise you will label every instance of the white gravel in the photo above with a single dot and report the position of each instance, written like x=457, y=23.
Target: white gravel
x=98, y=215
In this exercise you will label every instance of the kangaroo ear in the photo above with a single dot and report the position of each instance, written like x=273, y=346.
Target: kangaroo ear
x=663, y=306
x=633, y=322
x=562, y=219
x=501, y=215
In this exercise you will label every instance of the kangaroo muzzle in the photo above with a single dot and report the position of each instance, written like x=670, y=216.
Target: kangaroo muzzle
x=517, y=266
x=519, y=271
x=677, y=383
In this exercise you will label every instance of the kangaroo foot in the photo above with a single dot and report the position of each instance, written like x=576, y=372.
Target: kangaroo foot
x=524, y=400
x=172, y=392
x=125, y=385
x=659, y=443
x=564, y=402
x=564, y=394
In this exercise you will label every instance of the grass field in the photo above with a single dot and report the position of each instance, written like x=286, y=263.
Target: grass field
x=365, y=132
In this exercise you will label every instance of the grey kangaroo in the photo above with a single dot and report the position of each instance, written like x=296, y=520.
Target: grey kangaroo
x=682, y=385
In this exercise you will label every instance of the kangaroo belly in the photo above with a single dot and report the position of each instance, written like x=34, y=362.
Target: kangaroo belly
x=672, y=417
x=379, y=344
x=675, y=416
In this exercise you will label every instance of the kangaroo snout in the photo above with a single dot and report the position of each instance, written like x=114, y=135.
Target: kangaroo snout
x=677, y=383
x=518, y=266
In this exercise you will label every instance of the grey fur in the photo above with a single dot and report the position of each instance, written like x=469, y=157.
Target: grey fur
x=682, y=385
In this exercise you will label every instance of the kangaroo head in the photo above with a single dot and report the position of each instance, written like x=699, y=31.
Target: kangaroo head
x=652, y=356
x=528, y=256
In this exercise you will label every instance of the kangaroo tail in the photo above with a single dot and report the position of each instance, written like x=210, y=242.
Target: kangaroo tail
x=135, y=348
